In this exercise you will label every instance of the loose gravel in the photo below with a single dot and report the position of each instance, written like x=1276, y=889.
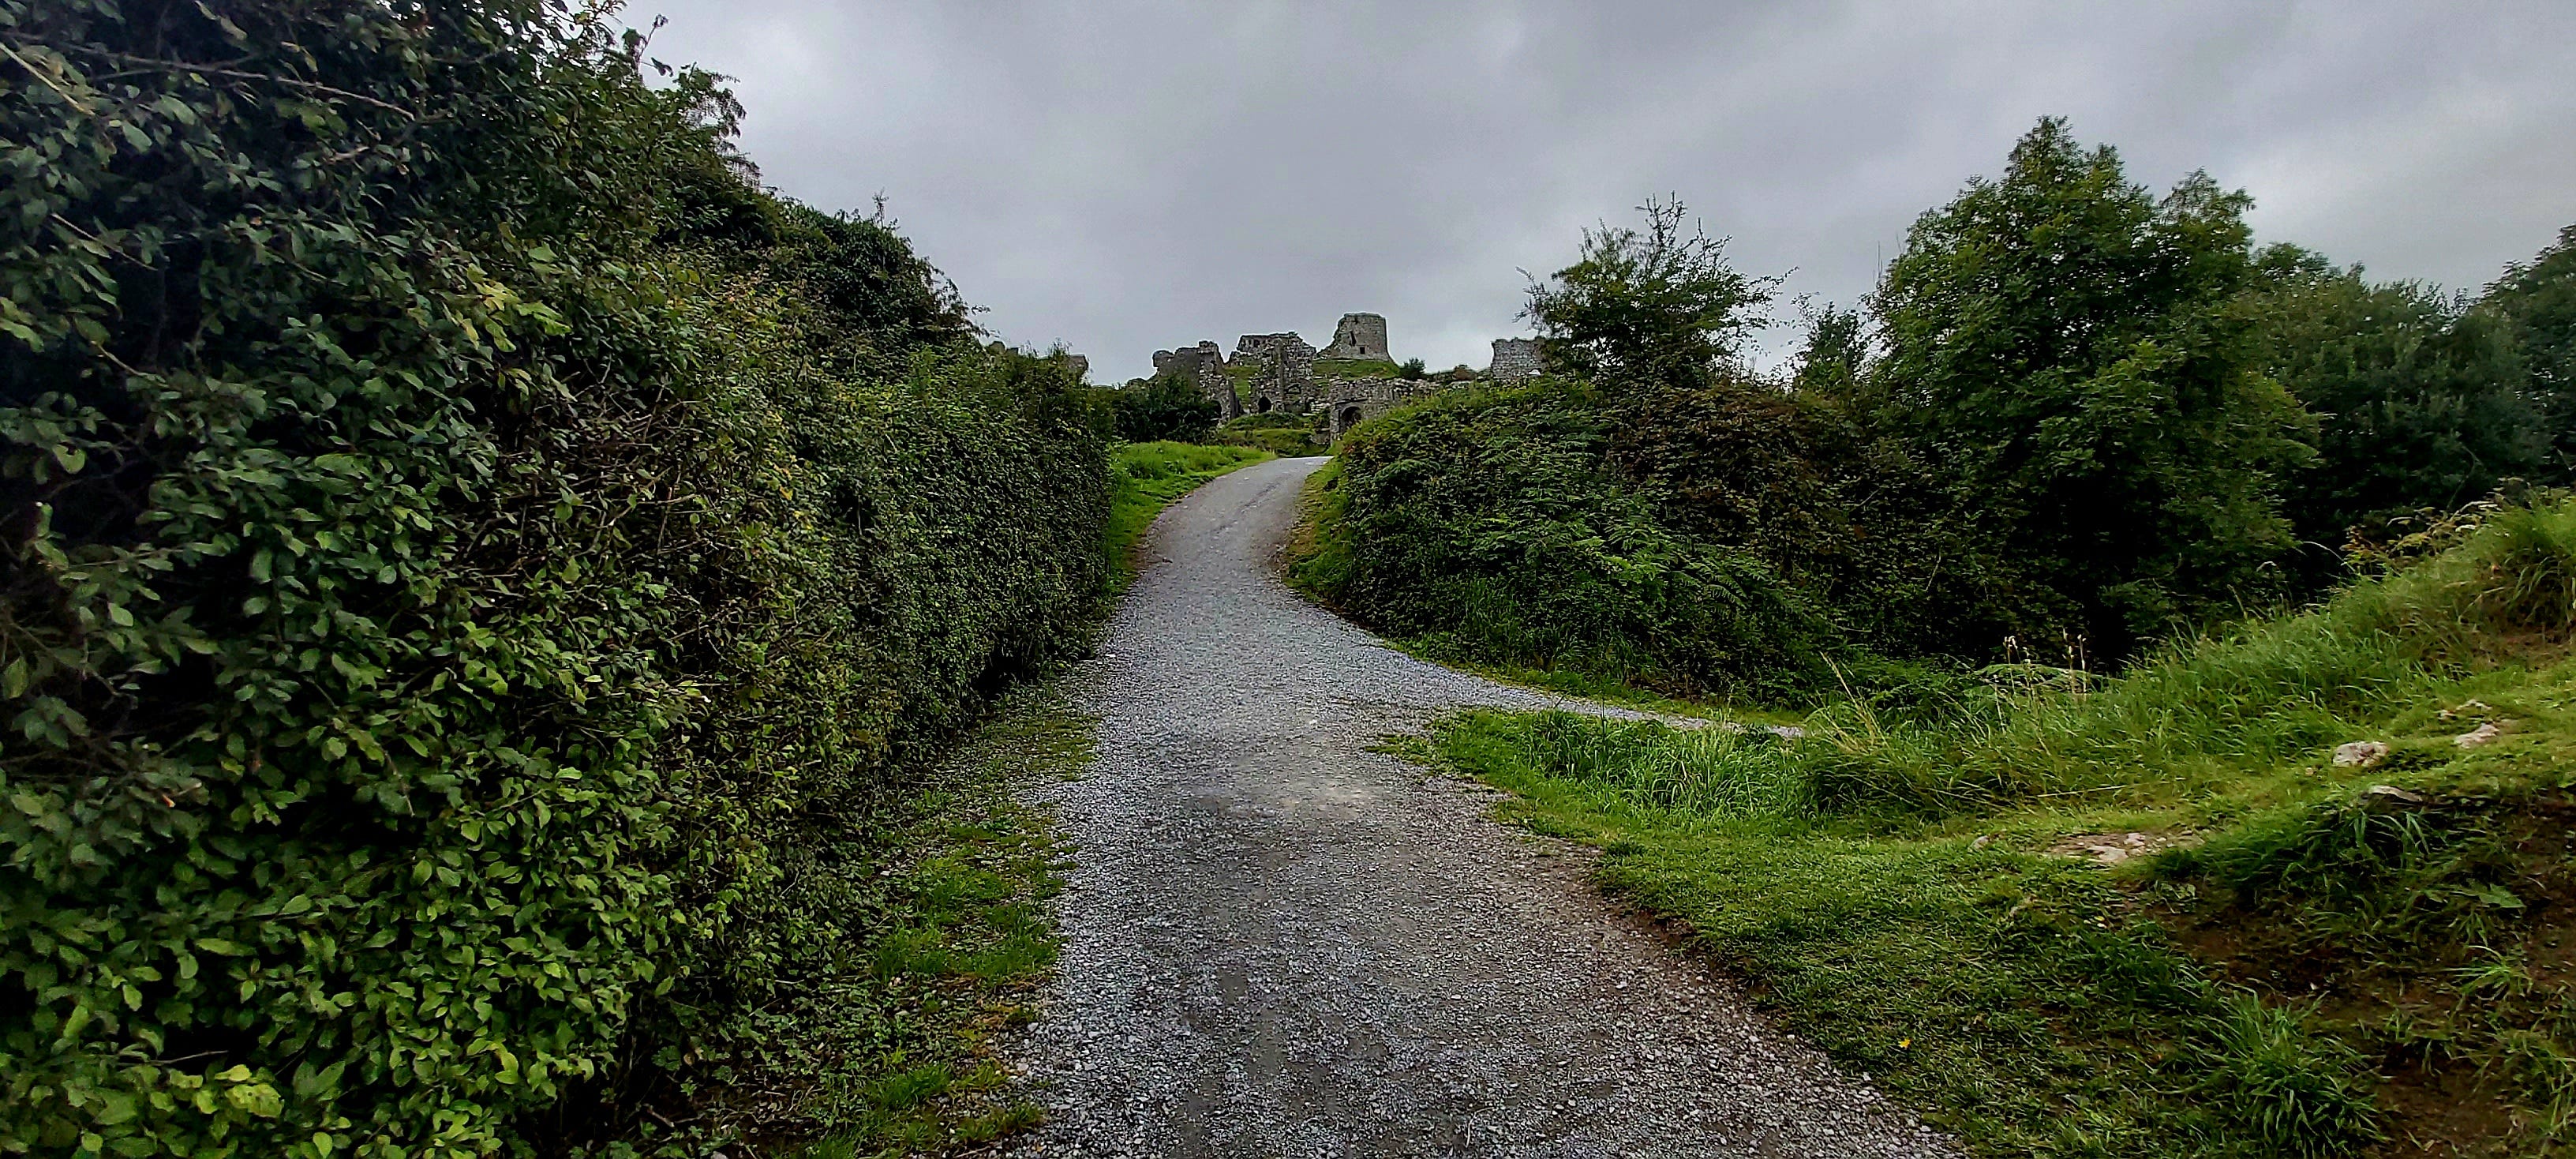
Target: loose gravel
x=1278, y=942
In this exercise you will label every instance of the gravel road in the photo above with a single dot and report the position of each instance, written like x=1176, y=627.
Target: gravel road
x=1279, y=943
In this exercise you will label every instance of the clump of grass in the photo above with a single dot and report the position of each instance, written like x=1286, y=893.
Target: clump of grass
x=2292, y=1093
x=1733, y=773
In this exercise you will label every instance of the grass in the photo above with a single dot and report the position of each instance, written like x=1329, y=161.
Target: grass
x=1284, y=434
x=961, y=943
x=959, y=934
x=1146, y=477
x=2302, y=959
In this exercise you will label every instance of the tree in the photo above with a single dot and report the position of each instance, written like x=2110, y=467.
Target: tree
x=2539, y=299
x=1837, y=350
x=1657, y=306
x=2419, y=402
x=2066, y=350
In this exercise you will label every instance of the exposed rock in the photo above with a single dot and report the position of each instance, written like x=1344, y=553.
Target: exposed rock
x=2394, y=793
x=2482, y=734
x=2112, y=848
x=2360, y=754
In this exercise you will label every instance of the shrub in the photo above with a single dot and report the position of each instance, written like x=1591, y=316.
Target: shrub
x=1489, y=525
x=1168, y=407
x=471, y=555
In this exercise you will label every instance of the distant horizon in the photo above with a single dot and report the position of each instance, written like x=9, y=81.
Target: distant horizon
x=1121, y=179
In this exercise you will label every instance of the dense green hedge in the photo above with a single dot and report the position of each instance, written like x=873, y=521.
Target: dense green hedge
x=470, y=557
x=1491, y=525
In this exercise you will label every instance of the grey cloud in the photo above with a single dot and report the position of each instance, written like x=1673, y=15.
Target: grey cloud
x=1122, y=177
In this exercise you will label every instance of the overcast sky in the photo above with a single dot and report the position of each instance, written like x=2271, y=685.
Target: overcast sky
x=1123, y=177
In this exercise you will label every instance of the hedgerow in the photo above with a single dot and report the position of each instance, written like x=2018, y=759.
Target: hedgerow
x=472, y=559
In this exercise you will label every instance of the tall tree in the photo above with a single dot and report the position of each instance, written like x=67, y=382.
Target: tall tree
x=1661, y=305
x=2419, y=402
x=2066, y=349
x=2539, y=299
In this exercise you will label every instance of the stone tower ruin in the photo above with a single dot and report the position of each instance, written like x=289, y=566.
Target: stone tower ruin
x=1515, y=359
x=1358, y=336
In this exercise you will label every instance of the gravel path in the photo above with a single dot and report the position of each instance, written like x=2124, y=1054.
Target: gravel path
x=1278, y=943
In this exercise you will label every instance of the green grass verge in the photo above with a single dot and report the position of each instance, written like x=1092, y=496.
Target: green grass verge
x=1146, y=477
x=963, y=943
x=2300, y=958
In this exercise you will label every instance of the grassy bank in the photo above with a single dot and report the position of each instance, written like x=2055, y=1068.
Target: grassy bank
x=962, y=943
x=1146, y=477
x=1284, y=434
x=2151, y=915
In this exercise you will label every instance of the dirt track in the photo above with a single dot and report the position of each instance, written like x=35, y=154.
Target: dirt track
x=1281, y=943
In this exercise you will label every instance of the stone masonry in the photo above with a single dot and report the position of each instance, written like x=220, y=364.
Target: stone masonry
x=1359, y=336
x=1282, y=371
x=1515, y=359
x=1275, y=373
x=1203, y=364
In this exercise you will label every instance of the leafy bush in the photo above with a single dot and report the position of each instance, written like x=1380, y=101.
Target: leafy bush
x=1489, y=525
x=1168, y=407
x=471, y=556
x=2538, y=298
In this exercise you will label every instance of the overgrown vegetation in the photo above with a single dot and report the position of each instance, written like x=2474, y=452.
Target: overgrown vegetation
x=1164, y=408
x=2294, y=957
x=958, y=942
x=2079, y=429
x=2074, y=419
x=478, y=569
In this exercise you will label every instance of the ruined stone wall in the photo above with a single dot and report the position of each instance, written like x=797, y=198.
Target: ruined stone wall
x=1282, y=371
x=1358, y=336
x=1348, y=401
x=1515, y=359
x=1205, y=365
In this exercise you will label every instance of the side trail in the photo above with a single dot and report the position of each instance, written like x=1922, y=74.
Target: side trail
x=1278, y=942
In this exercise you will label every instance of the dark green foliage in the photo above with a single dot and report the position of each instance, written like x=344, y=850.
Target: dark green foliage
x=1165, y=407
x=1837, y=352
x=1845, y=516
x=471, y=559
x=1493, y=524
x=1659, y=306
x=2539, y=298
x=2418, y=402
x=2068, y=351
x=1412, y=369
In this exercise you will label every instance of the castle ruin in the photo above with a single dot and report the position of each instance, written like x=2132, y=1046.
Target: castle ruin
x=1515, y=360
x=1359, y=337
x=1278, y=373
